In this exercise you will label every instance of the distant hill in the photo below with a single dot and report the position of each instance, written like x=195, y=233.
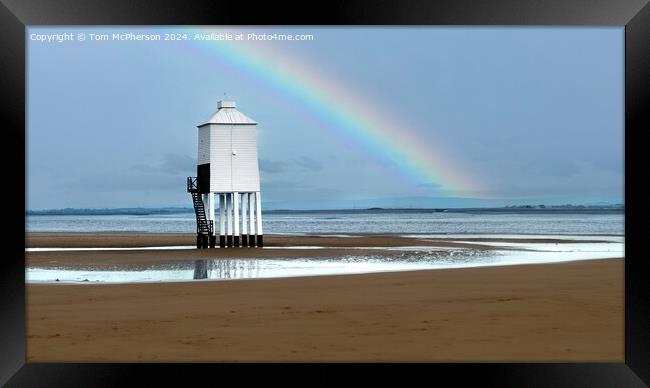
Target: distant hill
x=436, y=203
x=134, y=211
x=439, y=204
x=184, y=210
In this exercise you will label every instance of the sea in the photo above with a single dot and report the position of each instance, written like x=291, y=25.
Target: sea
x=578, y=222
x=590, y=234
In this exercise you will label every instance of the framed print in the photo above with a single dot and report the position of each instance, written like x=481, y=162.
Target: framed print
x=213, y=185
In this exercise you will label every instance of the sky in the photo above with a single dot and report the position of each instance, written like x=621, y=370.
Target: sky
x=354, y=116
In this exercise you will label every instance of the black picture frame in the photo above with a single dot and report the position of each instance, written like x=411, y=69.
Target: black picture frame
x=15, y=15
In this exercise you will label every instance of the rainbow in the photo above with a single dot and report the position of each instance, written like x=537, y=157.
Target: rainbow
x=354, y=116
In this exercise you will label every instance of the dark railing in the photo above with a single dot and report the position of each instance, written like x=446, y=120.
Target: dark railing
x=203, y=225
x=210, y=230
x=192, y=185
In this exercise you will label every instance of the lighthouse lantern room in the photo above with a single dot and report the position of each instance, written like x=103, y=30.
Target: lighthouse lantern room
x=228, y=179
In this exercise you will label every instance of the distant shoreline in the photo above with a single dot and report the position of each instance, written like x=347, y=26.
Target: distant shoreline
x=170, y=211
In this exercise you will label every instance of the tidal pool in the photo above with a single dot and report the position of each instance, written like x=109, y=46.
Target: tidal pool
x=401, y=259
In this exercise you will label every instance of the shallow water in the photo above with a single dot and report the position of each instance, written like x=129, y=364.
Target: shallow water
x=351, y=222
x=405, y=259
x=491, y=236
x=57, y=249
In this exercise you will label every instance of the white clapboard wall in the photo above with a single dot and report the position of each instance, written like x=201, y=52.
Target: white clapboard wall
x=228, y=141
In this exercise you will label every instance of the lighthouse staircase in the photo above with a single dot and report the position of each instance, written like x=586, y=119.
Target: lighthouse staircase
x=204, y=227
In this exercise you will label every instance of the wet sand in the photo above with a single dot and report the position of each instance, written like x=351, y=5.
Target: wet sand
x=560, y=312
x=107, y=240
x=335, y=246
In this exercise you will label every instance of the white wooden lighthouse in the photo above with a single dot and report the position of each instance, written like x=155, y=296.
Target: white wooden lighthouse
x=228, y=178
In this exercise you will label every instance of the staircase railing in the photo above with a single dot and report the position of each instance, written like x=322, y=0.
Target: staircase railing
x=203, y=225
x=192, y=185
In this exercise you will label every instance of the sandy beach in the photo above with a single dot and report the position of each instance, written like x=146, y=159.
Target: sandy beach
x=562, y=312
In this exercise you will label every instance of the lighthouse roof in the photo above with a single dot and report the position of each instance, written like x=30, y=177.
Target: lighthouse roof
x=227, y=113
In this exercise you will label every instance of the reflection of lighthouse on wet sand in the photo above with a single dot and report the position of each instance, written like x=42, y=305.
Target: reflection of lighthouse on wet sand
x=228, y=169
x=226, y=269
x=201, y=269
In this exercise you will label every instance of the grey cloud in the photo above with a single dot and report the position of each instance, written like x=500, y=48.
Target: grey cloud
x=429, y=185
x=610, y=163
x=170, y=163
x=283, y=184
x=280, y=166
x=127, y=181
x=551, y=167
x=287, y=191
x=308, y=163
x=176, y=163
x=273, y=166
x=145, y=168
